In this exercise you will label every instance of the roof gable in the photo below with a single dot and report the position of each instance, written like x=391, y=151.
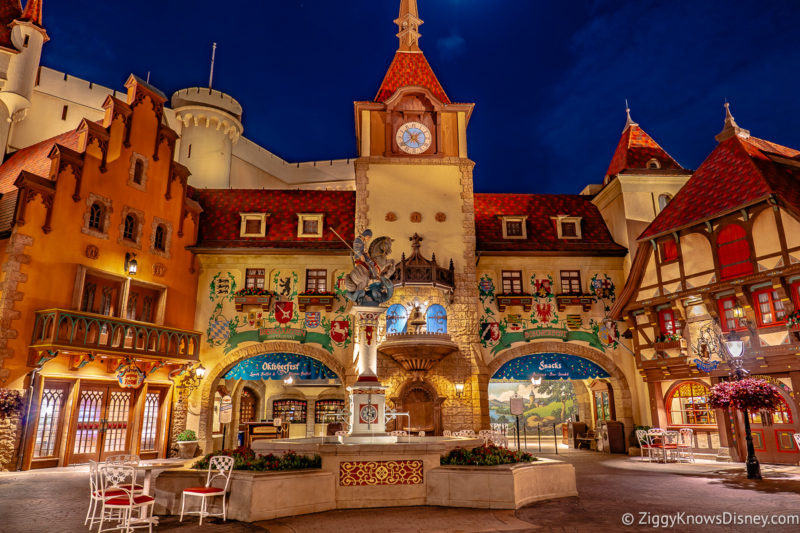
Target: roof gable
x=737, y=173
x=635, y=149
x=33, y=159
x=410, y=69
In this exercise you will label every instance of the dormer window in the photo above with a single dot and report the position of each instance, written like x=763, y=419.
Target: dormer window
x=309, y=225
x=653, y=164
x=568, y=227
x=514, y=227
x=253, y=224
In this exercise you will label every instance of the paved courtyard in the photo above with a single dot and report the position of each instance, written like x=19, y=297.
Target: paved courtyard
x=609, y=487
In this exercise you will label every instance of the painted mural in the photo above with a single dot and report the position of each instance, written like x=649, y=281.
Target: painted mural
x=552, y=402
x=274, y=314
x=500, y=330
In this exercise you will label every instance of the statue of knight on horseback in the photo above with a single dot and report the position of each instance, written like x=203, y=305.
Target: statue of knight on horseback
x=369, y=282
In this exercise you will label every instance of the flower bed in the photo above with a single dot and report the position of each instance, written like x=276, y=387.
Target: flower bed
x=247, y=459
x=488, y=455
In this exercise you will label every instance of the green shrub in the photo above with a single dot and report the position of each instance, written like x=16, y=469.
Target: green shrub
x=187, y=434
x=489, y=455
x=246, y=459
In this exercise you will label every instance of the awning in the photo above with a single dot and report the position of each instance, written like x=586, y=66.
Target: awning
x=279, y=366
x=549, y=366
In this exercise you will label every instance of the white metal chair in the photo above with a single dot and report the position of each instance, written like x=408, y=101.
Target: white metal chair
x=485, y=435
x=116, y=481
x=686, y=445
x=670, y=445
x=644, y=444
x=797, y=442
x=220, y=466
x=96, y=494
x=655, y=441
x=126, y=460
x=447, y=433
x=398, y=433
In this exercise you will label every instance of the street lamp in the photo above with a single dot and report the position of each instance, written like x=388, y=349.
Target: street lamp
x=735, y=350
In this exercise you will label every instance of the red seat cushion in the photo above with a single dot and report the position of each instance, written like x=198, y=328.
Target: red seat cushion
x=204, y=490
x=109, y=493
x=137, y=500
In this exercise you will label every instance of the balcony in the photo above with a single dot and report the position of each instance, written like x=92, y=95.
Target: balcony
x=418, y=352
x=509, y=300
x=585, y=301
x=75, y=331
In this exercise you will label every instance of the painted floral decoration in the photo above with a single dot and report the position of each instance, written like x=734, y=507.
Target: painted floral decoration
x=793, y=319
x=670, y=337
x=10, y=402
x=752, y=394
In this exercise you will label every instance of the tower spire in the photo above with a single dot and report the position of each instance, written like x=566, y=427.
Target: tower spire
x=629, y=121
x=408, y=23
x=730, y=128
x=33, y=12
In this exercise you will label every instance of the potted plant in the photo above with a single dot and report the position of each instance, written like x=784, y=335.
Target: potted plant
x=187, y=444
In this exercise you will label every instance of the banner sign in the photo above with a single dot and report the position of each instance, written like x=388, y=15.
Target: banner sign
x=279, y=365
x=550, y=366
x=564, y=335
x=279, y=334
x=226, y=410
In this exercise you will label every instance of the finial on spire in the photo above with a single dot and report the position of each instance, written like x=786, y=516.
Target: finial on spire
x=408, y=23
x=730, y=128
x=33, y=12
x=628, y=121
x=213, y=55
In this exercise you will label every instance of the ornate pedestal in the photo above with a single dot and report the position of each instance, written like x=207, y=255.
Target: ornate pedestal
x=367, y=395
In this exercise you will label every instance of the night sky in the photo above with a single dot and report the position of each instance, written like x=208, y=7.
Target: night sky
x=549, y=79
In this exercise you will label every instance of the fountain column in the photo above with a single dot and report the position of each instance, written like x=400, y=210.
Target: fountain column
x=367, y=395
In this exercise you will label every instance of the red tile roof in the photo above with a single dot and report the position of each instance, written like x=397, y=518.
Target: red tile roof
x=410, y=68
x=541, y=229
x=220, y=221
x=33, y=159
x=33, y=12
x=10, y=10
x=635, y=149
x=736, y=174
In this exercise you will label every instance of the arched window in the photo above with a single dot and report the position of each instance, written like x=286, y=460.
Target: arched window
x=138, y=172
x=436, y=319
x=688, y=405
x=733, y=252
x=396, y=319
x=129, y=231
x=663, y=200
x=781, y=415
x=96, y=216
x=247, y=406
x=653, y=164
x=159, y=241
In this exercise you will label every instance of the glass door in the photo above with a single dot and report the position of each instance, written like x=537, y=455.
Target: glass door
x=100, y=424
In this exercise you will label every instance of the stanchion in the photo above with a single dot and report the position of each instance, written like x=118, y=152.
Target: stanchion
x=518, y=448
x=539, y=431
x=555, y=438
x=525, y=435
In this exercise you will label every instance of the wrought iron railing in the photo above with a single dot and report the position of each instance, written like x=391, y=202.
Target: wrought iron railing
x=100, y=334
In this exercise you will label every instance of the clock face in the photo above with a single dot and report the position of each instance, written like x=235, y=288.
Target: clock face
x=413, y=138
x=368, y=413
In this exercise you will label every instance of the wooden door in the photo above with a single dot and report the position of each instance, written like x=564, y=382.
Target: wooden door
x=772, y=433
x=100, y=425
x=419, y=405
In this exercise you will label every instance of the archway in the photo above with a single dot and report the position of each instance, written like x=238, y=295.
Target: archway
x=226, y=363
x=619, y=387
x=422, y=402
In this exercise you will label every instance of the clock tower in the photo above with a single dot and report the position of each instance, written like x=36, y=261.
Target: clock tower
x=413, y=176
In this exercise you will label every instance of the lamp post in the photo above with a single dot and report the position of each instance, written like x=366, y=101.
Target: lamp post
x=735, y=350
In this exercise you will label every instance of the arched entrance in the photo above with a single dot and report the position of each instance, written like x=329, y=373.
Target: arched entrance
x=218, y=372
x=423, y=404
x=588, y=377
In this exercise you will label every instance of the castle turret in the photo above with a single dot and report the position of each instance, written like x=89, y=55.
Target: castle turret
x=27, y=36
x=211, y=125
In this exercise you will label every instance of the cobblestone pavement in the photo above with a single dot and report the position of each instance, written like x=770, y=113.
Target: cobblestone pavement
x=56, y=501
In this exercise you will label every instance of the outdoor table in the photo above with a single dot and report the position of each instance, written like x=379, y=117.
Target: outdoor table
x=148, y=478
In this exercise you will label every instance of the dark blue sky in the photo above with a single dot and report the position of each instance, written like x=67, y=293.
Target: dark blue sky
x=549, y=79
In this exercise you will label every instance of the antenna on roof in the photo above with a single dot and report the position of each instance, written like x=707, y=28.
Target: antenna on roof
x=213, y=54
x=148, y=77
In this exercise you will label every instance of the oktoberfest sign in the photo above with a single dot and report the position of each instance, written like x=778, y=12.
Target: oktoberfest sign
x=550, y=366
x=280, y=365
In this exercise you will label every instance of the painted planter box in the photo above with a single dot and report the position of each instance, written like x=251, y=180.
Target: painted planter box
x=500, y=487
x=261, y=301
x=253, y=495
x=304, y=301
x=668, y=345
x=508, y=300
x=583, y=300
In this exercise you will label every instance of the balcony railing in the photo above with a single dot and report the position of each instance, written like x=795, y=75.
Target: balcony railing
x=100, y=334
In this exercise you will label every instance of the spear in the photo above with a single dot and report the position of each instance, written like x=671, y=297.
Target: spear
x=341, y=239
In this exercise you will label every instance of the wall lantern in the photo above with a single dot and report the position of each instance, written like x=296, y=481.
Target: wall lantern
x=536, y=380
x=288, y=380
x=131, y=265
x=459, y=390
x=200, y=371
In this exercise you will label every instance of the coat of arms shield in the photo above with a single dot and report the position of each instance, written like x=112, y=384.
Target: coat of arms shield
x=284, y=312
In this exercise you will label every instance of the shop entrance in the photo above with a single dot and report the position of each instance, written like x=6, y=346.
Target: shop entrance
x=772, y=433
x=100, y=425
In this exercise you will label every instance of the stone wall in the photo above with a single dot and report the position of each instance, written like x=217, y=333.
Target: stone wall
x=10, y=436
x=10, y=295
x=179, y=412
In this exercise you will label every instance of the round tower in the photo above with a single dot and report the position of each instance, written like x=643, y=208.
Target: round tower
x=211, y=124
x=27, y=36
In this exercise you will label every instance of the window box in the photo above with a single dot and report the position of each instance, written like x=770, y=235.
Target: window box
x=307, y=299
x=508, y=300
x=252, y=297
x=667, y=345
x=583, y=300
